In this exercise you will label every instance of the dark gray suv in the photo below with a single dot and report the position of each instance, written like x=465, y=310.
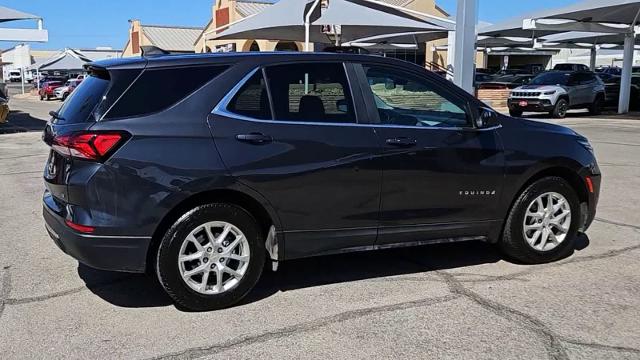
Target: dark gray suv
x=203, y=168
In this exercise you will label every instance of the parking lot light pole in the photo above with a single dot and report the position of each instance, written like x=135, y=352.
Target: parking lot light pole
x=22, y=79
x=465, y=49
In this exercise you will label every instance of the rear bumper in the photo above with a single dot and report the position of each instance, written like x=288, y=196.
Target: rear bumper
x=533, y=105
x=112, y=253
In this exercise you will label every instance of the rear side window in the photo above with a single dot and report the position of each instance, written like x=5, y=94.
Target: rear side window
x=83, y=100
x=311, y=92
x=158, y=89
x=252, y=100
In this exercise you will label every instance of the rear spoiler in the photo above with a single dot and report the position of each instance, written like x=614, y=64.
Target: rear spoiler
x=97, y=71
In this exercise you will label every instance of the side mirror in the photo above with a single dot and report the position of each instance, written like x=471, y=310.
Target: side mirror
x=389, y=84
x=487, y=118
x=342, y=106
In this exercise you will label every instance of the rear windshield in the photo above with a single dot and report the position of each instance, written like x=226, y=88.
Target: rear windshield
x=551, y=78
x=83, y=100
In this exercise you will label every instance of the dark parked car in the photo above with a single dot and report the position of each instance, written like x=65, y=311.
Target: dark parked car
x=481, y=78
x=612, y=86
x=571, y=67
x=249, y=158
x=507, y=82
x=609, y=70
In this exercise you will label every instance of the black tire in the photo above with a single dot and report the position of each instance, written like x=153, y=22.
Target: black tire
x=41, y=98
x=169, y=249
x=560, y=110
x=64, y=96
x=513, y=242
x=515, y=113
x=596, y=107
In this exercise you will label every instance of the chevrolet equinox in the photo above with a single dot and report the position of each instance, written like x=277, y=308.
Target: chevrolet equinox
x=205, y=168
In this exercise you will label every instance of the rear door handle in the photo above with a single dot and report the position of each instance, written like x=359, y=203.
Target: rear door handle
x=402, y=142
x=254, y=138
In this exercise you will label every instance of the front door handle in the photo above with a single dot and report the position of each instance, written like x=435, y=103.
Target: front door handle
x=254, y=138
x=402, y=142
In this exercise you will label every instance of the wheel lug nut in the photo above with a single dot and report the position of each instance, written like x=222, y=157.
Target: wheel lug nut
x=213, y=266
x=225, y=244
x=219, y=250
x=205, y=260
x=221, y=259
x=209, y=249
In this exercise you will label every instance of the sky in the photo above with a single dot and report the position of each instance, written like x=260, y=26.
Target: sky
x=83, y=24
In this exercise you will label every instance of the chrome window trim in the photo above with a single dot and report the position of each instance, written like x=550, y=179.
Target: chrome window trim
x=221, y=110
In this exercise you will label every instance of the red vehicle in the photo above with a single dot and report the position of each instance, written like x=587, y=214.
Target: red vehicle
x=47, y=89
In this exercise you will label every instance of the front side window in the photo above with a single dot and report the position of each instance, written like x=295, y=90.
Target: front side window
x=408, y=100
x=311, y=92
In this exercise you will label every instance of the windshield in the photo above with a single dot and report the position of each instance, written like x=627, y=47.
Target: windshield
x=551, y=78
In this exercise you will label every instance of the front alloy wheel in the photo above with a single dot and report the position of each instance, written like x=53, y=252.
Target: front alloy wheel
x=543, y=222
x=547, y=221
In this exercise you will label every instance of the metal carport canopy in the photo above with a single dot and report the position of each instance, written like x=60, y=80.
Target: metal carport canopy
x=610, y=16
x=21, y=34
x=286, y=20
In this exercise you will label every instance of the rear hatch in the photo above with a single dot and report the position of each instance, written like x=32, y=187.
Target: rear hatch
x=68, y=133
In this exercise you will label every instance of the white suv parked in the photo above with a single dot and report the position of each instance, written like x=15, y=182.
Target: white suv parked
x=556, y=92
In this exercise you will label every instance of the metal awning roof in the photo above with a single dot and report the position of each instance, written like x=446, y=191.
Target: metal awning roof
x=361, y=18
x=512, y=28
x=68, y=60
x=597, y=11
x=587, y=38
x=7, y=14
x=172, y=38
x=282, y=21
x=357, y=19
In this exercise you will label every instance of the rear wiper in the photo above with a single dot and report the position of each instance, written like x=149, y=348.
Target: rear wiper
x=55, y=115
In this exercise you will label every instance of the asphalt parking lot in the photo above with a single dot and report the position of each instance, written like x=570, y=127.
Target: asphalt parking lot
x=446, y=301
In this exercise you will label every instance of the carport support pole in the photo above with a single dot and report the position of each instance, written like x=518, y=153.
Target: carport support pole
x=592, y=59
x=465, y=49
x=627, y=68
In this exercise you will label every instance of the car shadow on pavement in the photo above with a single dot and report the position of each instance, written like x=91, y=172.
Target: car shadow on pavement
x=18, y=121
x=140, y=290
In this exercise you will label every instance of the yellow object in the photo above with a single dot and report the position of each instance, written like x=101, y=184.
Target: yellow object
x=4, y=113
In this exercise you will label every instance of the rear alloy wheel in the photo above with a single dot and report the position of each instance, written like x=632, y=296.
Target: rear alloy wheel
x=596, y=107
x=543, y=224
x=211, y=257
x=560, y=110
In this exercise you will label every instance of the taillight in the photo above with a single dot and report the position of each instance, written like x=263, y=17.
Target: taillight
x=80, y=228
x=88, y=145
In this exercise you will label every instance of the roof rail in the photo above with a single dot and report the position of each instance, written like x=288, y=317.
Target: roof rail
x=346, y=50
x=150, y=50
